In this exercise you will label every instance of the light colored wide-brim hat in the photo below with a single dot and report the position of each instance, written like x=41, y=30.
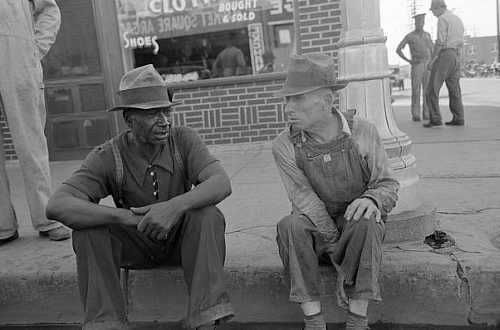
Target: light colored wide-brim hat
x=307, y=73
x=143, y=88
x=418, y=15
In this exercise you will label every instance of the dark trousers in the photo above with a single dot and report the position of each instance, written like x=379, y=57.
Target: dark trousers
x=446, y=68
x=358, y=254
x=196, y=243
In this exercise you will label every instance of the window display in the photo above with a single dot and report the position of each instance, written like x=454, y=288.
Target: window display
x=68, y=58
x=189, y=40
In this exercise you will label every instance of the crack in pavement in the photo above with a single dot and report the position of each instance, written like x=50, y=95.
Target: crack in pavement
x=257, y=235
x=466, y=212
x=238, y=171
x=465, y=288
x=244, y=229
x=453, y=176
x=455, y=141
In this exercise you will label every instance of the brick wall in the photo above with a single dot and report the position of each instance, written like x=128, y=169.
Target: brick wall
x=243, y=110
x=319, y=25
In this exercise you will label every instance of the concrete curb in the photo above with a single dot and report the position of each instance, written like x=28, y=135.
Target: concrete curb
x=418, y=286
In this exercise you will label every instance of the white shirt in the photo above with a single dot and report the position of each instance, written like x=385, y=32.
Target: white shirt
x=450, y=31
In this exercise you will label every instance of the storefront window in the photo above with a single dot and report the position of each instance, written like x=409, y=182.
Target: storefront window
x=190, y=40
x=75, y=52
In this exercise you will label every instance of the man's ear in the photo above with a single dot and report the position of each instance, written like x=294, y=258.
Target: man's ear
x=331, y=98
x=328, y=99
x=127, y=117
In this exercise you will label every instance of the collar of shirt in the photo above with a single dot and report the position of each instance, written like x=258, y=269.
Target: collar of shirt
x=139, y=166
x=345, y=126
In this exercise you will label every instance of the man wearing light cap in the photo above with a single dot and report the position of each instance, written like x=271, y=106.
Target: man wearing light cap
x=165, y=184
x=420, y=44
x=341, y=188
x=445, y=66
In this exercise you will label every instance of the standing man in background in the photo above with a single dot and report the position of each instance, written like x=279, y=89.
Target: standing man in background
x=28, y=28
x=230, y=61
x=445, y=66
x=420, y=43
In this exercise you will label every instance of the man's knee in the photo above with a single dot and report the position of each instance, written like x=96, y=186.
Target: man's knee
x=81, y=238
x=206, y=217
x=292, y=225
x=368, y=228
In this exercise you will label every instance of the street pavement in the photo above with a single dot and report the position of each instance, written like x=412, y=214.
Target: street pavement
x=459, y=176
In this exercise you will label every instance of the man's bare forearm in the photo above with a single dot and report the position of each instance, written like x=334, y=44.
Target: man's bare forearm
x=78, y=213
x=402, y=55
x=209, y=192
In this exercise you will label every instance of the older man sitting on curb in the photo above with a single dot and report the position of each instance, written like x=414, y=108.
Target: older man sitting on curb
x=149, y=170
x=340, y=185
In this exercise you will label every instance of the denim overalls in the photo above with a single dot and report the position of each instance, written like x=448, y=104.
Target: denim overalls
x=339, y=174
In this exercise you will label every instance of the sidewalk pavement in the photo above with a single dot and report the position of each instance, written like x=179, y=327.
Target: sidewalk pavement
x=460, y=176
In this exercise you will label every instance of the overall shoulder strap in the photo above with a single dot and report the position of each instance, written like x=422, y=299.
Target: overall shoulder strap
x=118, y=170
x=178, y=158
x=349, y=116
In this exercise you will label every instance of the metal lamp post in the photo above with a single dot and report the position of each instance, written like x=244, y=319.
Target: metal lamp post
x=362, y=56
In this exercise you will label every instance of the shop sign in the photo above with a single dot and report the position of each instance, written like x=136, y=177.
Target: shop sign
x=176, y=6
x=280, y=7
x=256, y=40
x=280, y=10
x=170, y=18
x=141, y=42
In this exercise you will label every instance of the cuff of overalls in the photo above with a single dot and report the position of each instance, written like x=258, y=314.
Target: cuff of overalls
x=364, y=296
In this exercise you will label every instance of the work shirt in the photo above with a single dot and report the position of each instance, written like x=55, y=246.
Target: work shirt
x=305, y=199
x=420, y=45
x=96, y=177
x=450, y=31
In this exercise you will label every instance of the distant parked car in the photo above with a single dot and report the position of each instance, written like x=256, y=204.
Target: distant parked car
x=397, y=80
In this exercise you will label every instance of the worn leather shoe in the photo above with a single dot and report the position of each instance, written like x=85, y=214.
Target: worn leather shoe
x=9, y=239
x=56, y=234
x=431, y=124
x=455, y=123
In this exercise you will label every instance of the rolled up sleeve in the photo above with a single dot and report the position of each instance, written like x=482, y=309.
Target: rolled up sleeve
x=382, y=187
x=299, y=190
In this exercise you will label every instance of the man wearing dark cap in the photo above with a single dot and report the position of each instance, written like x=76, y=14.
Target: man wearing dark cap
x=339, y=182
x=420, y=44
x=445, y=66
x=165, y=184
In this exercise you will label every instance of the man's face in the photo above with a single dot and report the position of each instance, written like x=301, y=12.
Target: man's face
x=437, y=11
x=305, y=111
x=150, y=126
x=419, y=23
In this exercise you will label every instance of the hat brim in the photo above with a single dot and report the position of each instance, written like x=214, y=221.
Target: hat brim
x=146, y=105
x=291, y=91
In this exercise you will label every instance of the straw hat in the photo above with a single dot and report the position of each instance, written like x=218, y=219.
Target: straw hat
x=307, y=73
